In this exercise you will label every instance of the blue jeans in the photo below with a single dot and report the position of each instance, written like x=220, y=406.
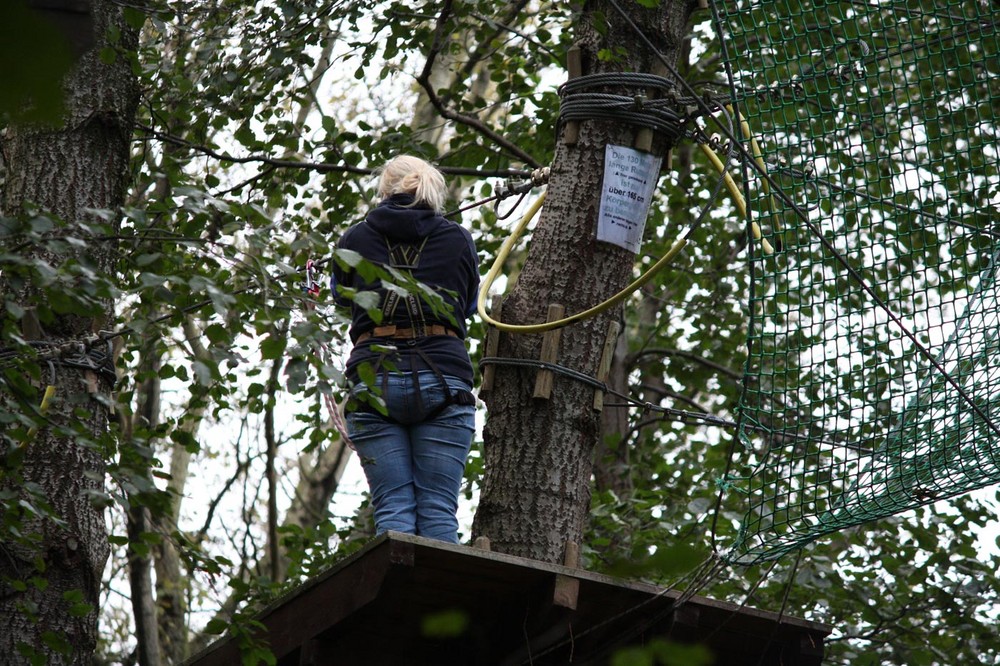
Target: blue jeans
x=414, y=466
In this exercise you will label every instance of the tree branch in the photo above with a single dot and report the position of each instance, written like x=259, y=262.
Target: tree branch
x=691, y=356
x=424, y=80
x=325, y=167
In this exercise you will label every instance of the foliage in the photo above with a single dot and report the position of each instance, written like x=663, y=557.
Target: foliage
x=259, y=125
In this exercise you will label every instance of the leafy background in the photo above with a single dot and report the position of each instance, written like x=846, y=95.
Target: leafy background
x=258, y=126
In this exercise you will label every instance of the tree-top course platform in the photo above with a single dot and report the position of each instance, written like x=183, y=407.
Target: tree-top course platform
x=409, y=600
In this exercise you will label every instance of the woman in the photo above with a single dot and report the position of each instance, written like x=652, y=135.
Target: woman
x=413, y=426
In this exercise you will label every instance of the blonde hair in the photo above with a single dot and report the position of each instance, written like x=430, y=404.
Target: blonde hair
x=411, y=175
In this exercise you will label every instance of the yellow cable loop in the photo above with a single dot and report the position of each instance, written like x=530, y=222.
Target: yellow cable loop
x=44, y=407
x=758, y=157
x=734, y=191
x=738, y=200
x=508, y=245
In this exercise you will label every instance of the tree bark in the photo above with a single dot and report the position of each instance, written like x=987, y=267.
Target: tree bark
x=65, y=171
x=538, y=453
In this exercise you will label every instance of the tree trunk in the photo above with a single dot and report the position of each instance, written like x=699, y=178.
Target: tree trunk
x=66, y=171
x=538, y=453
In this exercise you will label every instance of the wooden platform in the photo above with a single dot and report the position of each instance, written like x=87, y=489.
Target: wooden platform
x=372, y=608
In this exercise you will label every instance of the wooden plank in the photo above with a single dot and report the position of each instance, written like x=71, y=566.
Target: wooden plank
x=549, y=353
x=372, y=608
x=604, y=367
x=492, y=344
x=566, y=592
x=574, y=66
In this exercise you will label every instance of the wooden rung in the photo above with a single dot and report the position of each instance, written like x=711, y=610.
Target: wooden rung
x=549, y=354
x=644, y=137
x=574, y=66
x=492, y=344
x=604, y=367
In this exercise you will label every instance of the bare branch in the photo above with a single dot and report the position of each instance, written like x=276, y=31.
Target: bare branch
x=325, y=167
x=424, y=80
x=691, y=356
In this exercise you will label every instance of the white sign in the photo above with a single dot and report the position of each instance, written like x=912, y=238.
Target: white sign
x=629, y=179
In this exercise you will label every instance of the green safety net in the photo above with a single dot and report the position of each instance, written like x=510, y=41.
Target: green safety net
x=873, y=379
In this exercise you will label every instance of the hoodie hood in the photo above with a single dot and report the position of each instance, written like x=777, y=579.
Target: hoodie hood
x=398, y=219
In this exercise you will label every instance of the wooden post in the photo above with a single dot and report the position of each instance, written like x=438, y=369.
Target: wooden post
x=604, y=367
x=550, y=353
x=567, y=589
x=482, y=543
x=492, y=344
x=574, y=65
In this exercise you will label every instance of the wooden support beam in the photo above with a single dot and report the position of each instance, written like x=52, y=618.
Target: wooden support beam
x=604, y=367
x=492, y=344
x=566, y=593
x=550, y=353
x=574, y=65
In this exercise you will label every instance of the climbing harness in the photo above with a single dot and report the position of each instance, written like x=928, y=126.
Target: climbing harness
x=404, y=257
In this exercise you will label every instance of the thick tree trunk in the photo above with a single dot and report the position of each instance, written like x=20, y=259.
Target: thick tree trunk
x=538, y=453
x=66, y=171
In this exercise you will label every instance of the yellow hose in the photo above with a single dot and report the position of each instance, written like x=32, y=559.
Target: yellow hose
x=505, y=250
x=508, y=245
x=734, y=191
x=42, y=408
x=758, y=157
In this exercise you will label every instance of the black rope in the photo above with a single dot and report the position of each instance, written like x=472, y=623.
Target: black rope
x=693, y=418
x=808, y=176
x=586, y=98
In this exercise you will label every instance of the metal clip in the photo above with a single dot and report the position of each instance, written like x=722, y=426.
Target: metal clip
x=311, y=285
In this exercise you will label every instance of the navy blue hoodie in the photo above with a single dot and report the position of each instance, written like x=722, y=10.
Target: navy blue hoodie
x=447, y=263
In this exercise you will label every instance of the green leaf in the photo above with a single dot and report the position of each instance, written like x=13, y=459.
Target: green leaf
x=272, y=347
x=134, y=17
x=216, y=627
x=57, y=642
